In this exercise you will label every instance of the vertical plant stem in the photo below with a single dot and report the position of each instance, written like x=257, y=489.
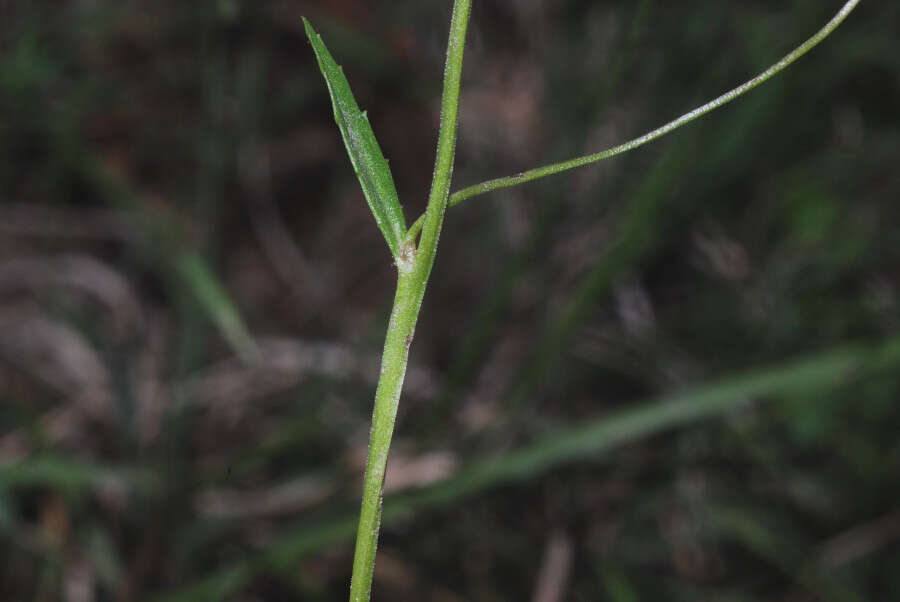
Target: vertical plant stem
x=446, y=146
x=413, y=269
x=387, y=397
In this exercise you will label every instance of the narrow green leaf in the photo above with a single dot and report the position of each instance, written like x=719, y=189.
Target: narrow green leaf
x=369, y=164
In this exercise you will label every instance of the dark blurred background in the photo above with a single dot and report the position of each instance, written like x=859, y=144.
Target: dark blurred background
x=670, y=376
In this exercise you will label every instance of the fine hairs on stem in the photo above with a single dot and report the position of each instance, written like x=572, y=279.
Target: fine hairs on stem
x=415, y=261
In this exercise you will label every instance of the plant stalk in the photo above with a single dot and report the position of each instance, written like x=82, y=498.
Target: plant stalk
x=387, y=397
x=413, y=270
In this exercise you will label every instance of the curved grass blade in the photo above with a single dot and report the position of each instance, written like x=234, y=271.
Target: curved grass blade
x=369, y=164
x=821, y=372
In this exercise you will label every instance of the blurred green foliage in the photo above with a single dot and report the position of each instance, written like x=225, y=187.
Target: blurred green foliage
x=172, y=192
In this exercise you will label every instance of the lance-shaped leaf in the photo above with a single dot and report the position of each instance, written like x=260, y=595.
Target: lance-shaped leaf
x=369, y=164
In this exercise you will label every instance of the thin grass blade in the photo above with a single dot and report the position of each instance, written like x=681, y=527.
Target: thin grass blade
x=216, y=301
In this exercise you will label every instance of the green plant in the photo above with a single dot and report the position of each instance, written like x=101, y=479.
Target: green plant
x=414, y=260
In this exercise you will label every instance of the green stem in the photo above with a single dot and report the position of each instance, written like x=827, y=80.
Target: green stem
x=548, y=170
x=387, y=397
x=413, y=268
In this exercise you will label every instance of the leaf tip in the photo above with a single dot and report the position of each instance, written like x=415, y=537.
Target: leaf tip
x=310, y=32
